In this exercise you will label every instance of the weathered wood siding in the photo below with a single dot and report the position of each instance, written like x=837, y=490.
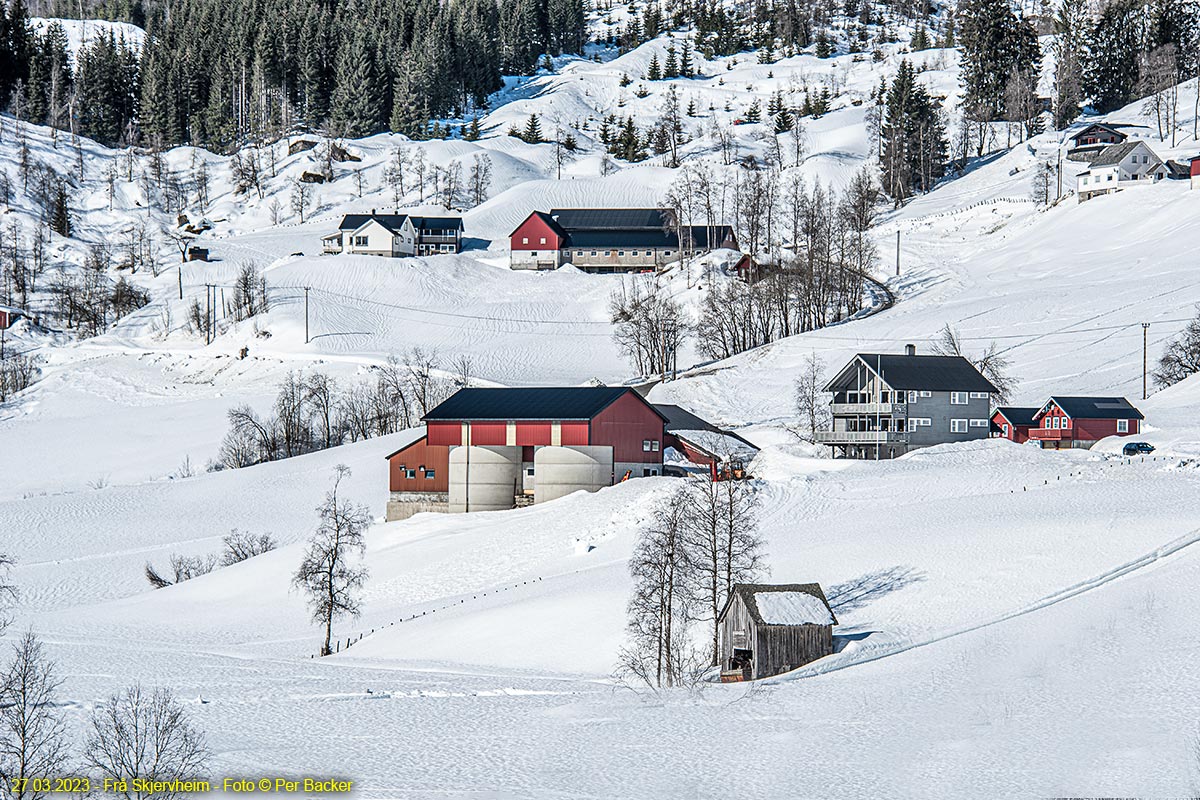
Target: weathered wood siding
x=737, y=619
x=780, y=648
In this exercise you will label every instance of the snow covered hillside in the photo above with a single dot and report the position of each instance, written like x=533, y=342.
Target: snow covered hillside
x=1012, y=622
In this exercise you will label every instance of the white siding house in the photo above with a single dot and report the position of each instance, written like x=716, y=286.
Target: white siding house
x=1119, y=166
x=395, y=235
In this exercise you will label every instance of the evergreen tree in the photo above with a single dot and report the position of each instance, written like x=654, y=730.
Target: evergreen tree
x=472, y=133
x=783, y=121
x=920, y=39
x=995, y=43
x=1070, y=28
x=686, y=68
x=914, y=142
x=60, y=217
x=628, y=144
x=1113, y=55
x=754, y=112
x=533, y=130
x=671, y=67
x=824, y=48
x=654, y=71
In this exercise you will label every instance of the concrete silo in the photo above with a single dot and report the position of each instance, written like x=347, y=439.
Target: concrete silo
x=563, y=470
x=484, y=477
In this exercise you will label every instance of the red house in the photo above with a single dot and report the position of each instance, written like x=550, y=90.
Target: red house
x=1013, y=423
x=613, y=424
x=9, y=316
x=1080, y=422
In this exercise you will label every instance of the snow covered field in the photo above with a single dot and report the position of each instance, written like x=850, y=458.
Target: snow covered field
x=1013, y=622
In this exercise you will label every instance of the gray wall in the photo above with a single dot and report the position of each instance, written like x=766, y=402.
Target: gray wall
x=939, y=411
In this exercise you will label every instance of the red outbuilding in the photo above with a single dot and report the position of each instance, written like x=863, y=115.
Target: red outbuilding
x=613, y=424
x=1074, y=422
x=1013, y=423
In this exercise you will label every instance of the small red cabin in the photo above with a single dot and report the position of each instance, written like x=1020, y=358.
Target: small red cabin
x=9, y=316
x=1013, y=423
x=1080, y=422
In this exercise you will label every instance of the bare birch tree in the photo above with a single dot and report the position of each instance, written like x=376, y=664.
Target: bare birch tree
x=329, y=575
x=33, y=739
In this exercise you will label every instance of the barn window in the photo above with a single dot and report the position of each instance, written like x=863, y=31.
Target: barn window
x=525, y=240
x=593, y=252
x=410, y=474
x=533, y=252
x=1122, y=426
x=579, y=253
x=543, y=240
x=654, y=446
x=645, y=445
x=608, y=252
x=429, y=474
x=649, y=472
x=620, y=252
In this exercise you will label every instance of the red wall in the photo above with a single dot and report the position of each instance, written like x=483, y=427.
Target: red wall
x=1088, y=429
x=624, y=425
x=444, y=433
x=489, y=433
x=534, y=229
x=420, y=453
x=533, y=433
x=1016, y=433
x=575, y=433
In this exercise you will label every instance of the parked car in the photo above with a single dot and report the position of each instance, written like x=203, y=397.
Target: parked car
x=1137, y=449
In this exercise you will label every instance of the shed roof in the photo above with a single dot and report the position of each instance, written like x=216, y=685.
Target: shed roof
x=1017, y=415
x=782, y=605
x=680, y=420
x=543, y=404
x=1093, y=407
x=922, y=373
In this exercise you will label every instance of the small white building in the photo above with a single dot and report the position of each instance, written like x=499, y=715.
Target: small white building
x=395, y=235
x=1119, y=166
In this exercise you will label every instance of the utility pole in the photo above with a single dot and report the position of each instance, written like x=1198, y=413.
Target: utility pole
x=181, y=281
x=306, y=315
x=207, y=313
x=1145, y=360
x=1060, y=173
x=897, y=254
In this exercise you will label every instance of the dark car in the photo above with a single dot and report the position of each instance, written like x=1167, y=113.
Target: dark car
x=1137, y=449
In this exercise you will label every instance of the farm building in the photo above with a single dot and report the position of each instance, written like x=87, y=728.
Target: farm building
x=1013, y=423
x=723, y=454
x=610, y=239
x=9, y=316
x=885, y=405
x=491, y=449
x=1080, y=422
x=395, y=235
x=770, y=629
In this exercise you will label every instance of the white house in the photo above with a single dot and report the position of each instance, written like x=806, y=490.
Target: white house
x=395, y=235
x=1119, y=166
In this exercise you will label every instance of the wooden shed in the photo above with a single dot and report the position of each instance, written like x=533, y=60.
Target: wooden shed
x=769, y=629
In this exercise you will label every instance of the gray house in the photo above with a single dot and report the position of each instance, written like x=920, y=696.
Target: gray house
x=886, y=405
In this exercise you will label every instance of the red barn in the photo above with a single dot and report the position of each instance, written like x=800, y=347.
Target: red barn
x=1013, y=423
x=616, y=420
x=537, y=241
x=1194, y=172
x=9, y=316
x=1072, y=422
x=723, y=453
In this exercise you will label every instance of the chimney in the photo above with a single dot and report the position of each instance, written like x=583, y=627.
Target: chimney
x=910, y=349
x=372, y=212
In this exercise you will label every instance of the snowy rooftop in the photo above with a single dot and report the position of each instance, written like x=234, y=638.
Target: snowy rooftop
x=718, y=443
x=792, y=608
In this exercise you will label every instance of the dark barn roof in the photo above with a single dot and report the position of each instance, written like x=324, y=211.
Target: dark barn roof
x=1018, y=415
x=926, y=373
x=1094, y=407
x=747, y=591
x=572, y=402
x=1100, y=126
x=603, y=219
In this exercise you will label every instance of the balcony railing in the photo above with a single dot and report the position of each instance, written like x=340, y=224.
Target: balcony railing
x=846, y=409
x=862, y=437
x=1049, y=434
x=427, y=238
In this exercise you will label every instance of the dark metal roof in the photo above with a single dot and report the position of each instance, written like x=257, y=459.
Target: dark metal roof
x=680, y=419
x=1017, y=415
x=438, y=223
x=1094, y=407
x=392, y=222
x=611, y=238
x=923, y=373
x=543, y=404
x=747, y=591
x=608, y=218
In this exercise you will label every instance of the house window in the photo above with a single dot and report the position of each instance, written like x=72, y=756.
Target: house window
x=979, y=395
x=1004, y=428
x=958, y=398
x=360, y=241
x=958, y=426
x=645, y=445
x=529, y=471
x=1066, y=423
x=1122, y=426
x=666, y=252
x=979, y=423
x=649, y=472
x=533, y=253
x=926, y=394
x=654, y=446
x=921, y=422
x=912, y=397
